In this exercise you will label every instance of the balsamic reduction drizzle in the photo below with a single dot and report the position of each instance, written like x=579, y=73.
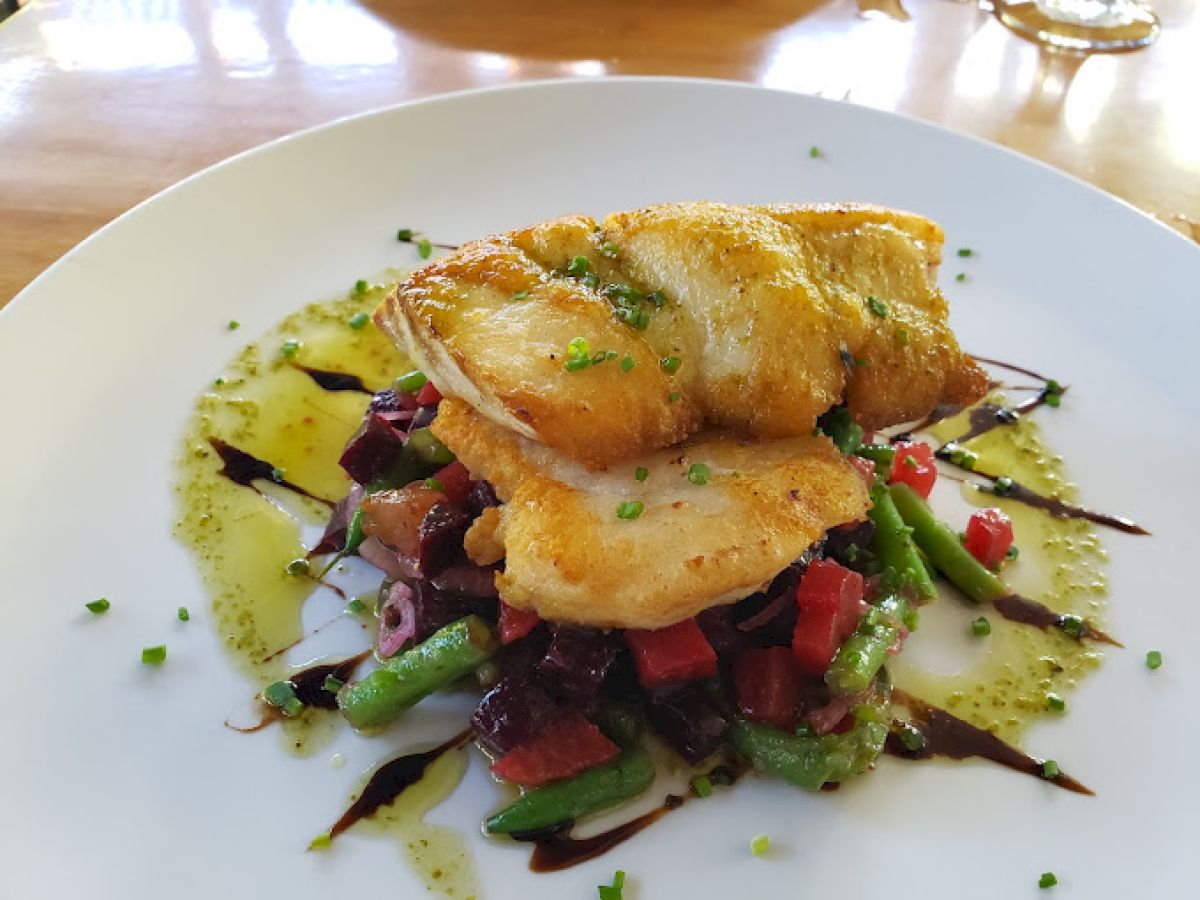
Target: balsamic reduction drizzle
x=242, y=468
x=391, y=780
x=334, y=381
x=947, y=735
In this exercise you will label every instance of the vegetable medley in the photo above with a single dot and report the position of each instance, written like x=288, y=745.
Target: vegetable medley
x=790, y=680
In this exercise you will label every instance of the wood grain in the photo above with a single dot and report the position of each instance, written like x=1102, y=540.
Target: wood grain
x=104, y=104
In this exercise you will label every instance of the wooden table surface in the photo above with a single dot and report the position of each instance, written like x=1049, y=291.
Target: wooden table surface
x=104, y=103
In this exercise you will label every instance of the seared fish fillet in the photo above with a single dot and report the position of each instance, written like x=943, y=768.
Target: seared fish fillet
x=569, y=557
x=774, y=313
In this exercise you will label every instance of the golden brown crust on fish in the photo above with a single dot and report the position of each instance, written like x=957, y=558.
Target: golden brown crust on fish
x=569, y=557
x=768, y=310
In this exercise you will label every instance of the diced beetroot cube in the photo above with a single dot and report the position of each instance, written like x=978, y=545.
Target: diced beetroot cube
x=914, y=465
x=428, y=395
x=372, y=449
x=440, y=537
x=829, y=598
x=562, y=749
x=767, y=686
x=516, y=623
x=456, y=482
x=989, y=535
x=671, y=655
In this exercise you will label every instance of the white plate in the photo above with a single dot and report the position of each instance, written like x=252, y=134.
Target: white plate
x=120, y=781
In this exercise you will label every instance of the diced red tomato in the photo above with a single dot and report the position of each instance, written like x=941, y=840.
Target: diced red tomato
x=865, y=467
x=830, y=601
x=456, y=482
x=670, y=655
x=562, y=749
x=989, y=535
x=516, y=623
x=428, y=394
x=767, y=685
x=914, y=466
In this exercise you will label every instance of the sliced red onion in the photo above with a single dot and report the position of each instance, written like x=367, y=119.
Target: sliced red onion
x=825, y=719
x=397, y=619
x=387, y=560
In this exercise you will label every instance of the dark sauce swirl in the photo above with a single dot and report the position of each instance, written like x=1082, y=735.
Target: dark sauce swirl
x=243, y=468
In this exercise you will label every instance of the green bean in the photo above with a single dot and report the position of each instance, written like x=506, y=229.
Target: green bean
x=862, y=654
x=623, y=721
x=809, y=760
x=882, y=454
x=427, y=448
x=893, y=545
x=402, y=681
x=945, y=550
x=562, y=802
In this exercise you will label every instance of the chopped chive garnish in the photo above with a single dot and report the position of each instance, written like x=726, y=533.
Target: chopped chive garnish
x=814, y=152
x=861, y=362
x=877, y=306
x=332, y=684
x=609, y=249
x=434, y=485
x=98, y=607
x=1054, y=400
x=658, y=298
x=282, y=695
x=1072, y=625
x=1048, y=880
x=1053, y=387
x=1050, y=769
x=912, y=737
x=1153, y=659
x=981, y=627
x=618, y=879
x=630, y=509
x=404, y=234
x=520, y=295
x=153, y=656
x=218, y=382
x=277, y=475
x=360, y=286
x=577, y=363
x=670, y=364
x=961, y=276
x=578, y=266
x=699, y=473
x=234, y=324
x=290, y=348
x=358, y=321
x=902, y=337
x=627, y=362
x=1012, y=552
x=759, y=844
x=673, y=397
x=1002, y=486
x=298, y=566
x=356, y=607
x=410, y=382
x=183, y=614
x=702, y=786
x=911, y=462
x=641, y=473
x=321, y=842
x=1056, y=703
x=965, y=251
x=424, y=248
